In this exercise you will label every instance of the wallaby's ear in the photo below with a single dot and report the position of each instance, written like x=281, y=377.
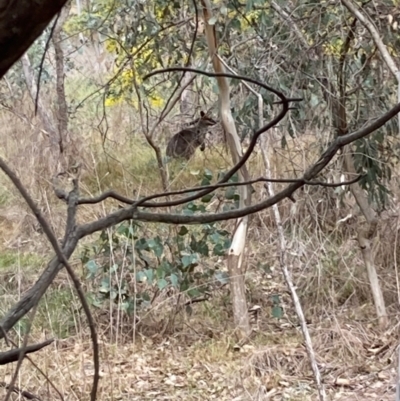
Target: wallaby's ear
x=202, y=114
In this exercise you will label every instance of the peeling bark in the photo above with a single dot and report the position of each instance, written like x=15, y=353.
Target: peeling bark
x=236, y=251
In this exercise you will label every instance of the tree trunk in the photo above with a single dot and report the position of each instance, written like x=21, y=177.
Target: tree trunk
x=236, y=251
x=365, y=239
x=337, y=104
x=62, y=107
x=44, y=111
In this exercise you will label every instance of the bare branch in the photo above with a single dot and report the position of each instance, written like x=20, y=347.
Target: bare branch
x=114, y=195
x=17, y=390
x=168, y=107
x=13, y=354
x=143, y=201
x=42, y=62
x=108, y=194
x=62, y=258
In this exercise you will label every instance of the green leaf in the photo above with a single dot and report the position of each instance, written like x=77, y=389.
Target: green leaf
x=92, y=267
x=174, y=280
x=128, y=307
x=149, y=274
x=227, y=243
x=314, y=101
x=183, y=231
x=162, y=283
x=219, y=250
x=97, y=303
x=230, y=193
x=277, y=312
x=207, y=198
x=201, y=247
x=215, y=237
x=142, y=244
x=265, y=266
x=156, y=246
x=212, y=20
x=249, y=5
x=208, y=174
x=145, y=296
x=127, y=230
x=188, y=260
x=113, y=294
x=222, y=277
x=193, y=293
x=276, y=299
x=161, y=273
x=235, y=23
x=105, y=286
x=140, y=276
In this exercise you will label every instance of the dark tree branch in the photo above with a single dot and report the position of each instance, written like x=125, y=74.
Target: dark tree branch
x=21, y=22
x=36, y=367
x=105, y=195
x=17, y=390
x=13, y=354
x=42, y=62
x=187, y=64
x=115, y=195
x=143, y=201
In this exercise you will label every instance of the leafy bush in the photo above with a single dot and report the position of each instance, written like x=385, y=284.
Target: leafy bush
x=130, y=267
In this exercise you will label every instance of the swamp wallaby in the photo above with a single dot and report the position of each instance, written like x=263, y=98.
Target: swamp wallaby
x=184, y=143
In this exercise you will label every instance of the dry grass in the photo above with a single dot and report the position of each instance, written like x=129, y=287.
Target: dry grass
x=196, y=358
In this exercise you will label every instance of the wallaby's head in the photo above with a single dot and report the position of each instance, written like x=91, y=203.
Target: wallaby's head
x=205, y=121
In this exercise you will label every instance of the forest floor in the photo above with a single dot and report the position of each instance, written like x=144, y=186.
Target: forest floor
x=199, y=359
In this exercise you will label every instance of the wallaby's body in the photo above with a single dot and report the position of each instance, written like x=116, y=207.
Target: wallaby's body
x=185, y=142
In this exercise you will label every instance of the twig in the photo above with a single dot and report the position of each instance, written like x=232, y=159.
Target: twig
x=21, y=355
x=398, y=376
x=142, y=202
x=17, y=390
x=285, y=269
x=46, y=47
